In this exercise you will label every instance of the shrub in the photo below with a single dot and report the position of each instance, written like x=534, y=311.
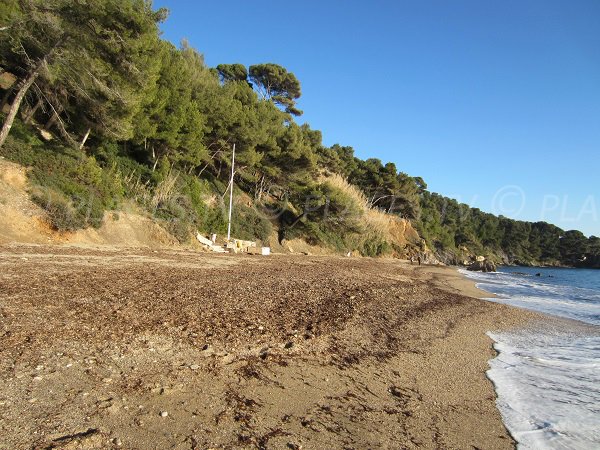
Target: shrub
x=375, y=246
x=332, y=215
x=250, y=224
x=213, y=220
x=61, y=214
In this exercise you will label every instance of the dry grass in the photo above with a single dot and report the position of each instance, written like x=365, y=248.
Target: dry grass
x=211, y=200
x=143, y=193
x=164, y=190
x=379, y=221
x=374, y=221
x=339, y=182
x=139, y=191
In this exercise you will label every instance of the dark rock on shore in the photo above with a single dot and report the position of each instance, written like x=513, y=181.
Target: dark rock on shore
x=482, y=266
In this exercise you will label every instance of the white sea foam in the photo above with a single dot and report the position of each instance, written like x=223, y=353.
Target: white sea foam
x=548, y=388
x=548, y=379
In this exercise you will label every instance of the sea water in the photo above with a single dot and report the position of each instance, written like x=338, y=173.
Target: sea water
x=548, y=378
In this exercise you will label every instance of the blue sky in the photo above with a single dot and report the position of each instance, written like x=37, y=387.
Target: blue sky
x=494, y=103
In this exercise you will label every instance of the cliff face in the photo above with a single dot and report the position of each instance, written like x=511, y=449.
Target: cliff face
x=404, y=236
x=464, y=257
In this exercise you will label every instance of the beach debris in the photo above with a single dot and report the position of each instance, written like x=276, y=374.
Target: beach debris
x=395, y=391
x=90, y=438
x=164, y=413
x=227, y=359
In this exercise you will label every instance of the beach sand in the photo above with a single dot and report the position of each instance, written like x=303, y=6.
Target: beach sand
x=161, y=349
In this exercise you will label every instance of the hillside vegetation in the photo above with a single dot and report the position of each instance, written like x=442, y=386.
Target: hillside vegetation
x=103, y=111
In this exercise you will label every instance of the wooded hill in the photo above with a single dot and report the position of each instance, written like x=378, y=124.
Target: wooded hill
x=104, y=111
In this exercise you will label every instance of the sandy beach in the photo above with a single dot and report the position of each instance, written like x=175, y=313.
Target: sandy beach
x=144, y=349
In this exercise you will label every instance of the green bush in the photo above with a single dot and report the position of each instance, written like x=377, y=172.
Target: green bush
x=181, y=229
x=375, y=246
x=213, y=220
x=250, y=224
x=332, y=218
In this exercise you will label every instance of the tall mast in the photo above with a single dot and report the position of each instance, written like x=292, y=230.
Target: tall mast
x=231, y=195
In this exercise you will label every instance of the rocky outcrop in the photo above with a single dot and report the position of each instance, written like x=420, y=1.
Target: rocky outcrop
x=482, y=266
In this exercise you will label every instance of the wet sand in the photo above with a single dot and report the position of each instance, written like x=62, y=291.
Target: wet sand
x=143, y=349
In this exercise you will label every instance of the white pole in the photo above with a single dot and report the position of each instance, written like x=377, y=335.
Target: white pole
x=231, y=195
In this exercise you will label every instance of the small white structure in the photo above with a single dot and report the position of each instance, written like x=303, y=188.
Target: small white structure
x=239, y=245
x=203, y=240
x=232, y=246
x=264, y=251
x=209, y=244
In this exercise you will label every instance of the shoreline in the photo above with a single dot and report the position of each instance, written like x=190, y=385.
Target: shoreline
x=297, y=351
x=449, y=278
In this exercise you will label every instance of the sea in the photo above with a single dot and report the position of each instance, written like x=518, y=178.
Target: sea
x=547, y=378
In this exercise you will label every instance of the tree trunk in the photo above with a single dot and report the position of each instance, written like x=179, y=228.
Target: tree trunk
x=203, y=169
x=155, y=157
x=32, y=112
x=14, y=108
x=85, y=138
x=65, y=134
x=260, y=189
x=23, y=88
